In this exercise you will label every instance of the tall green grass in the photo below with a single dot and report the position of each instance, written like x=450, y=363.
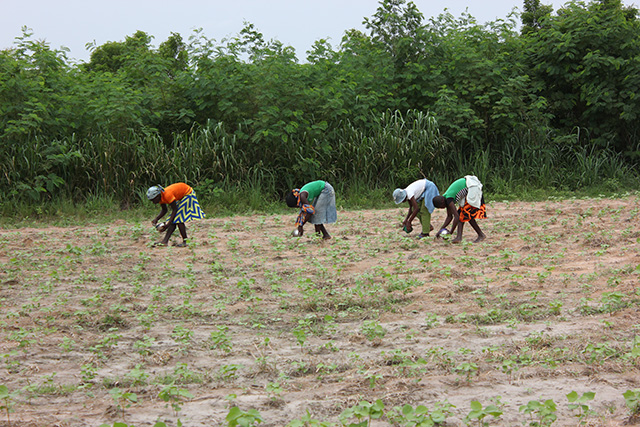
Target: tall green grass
x=238, y=172
x=538, y=160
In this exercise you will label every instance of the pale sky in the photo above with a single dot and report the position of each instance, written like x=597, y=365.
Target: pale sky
x=297, y=23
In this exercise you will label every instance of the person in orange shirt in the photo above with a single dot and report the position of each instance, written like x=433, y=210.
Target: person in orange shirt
x=184, y=207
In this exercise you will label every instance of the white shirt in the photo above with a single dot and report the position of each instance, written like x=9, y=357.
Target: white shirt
x=416, y=189
x=474, y=197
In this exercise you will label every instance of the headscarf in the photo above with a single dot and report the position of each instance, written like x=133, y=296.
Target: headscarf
x=154, y=192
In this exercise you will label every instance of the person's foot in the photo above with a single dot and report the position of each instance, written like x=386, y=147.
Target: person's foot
x=181, y=245
x=423, y=235
x=480, y=238
x=457, y=240
x=326, y=237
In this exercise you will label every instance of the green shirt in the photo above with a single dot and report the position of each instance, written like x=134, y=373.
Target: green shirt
x=455, y=188
x=314, y=189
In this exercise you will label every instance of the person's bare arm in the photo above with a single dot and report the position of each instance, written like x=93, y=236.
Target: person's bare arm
x=452, y=215
x=413, y=212
x=163, y=212
x=174, y=211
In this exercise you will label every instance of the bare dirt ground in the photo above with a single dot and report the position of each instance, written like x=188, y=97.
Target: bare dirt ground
x=247, y=316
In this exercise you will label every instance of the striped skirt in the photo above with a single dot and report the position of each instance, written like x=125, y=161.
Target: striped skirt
x=188, y=209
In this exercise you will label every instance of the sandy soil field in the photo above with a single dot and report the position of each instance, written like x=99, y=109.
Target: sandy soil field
x=98, y=326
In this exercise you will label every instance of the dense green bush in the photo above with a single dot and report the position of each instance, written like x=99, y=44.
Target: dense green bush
x=551, y=106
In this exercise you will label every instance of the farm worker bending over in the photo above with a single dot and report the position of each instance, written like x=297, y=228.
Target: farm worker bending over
x=317, y=203
x=467, y=193
x=420, y=196
x=184, y=207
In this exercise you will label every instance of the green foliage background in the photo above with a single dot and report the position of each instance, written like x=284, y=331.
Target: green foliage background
x=546, y=103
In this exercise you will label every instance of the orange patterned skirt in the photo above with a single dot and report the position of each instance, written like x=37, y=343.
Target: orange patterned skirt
x=468, y=212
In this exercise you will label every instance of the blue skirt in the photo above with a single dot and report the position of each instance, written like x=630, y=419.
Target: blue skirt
x=325, y=206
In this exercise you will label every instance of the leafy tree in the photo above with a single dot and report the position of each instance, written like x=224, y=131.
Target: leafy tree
x=397, y=25
x=473, y=78
x=585, y=63
x=368, y=78
x=175, y=50
x=534, y=15
x=35, y=87
x=112, y=56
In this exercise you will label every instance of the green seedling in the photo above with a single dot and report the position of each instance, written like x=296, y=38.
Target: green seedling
x=237, y=417
x=466, y=369
x=274, y=390
x=174, y=396
x=373, y=378
x=184, y=375
x=420, y=416
x=509, y=366
x=137, y=376
x=478, y=413
x=373, y=330
x=88, y=373
x=542, y=414
x=143, y=346
x=182, y=335
x=6, y=399
x=220, y=339
x=363, y=412
x=555, y=307
x=308, y=421
x=301, y=336
x=123, y=399
x=12, y=365
x=613, y=301
x=632, y=399
x=579, y=404
x=67, y=344
x=229, y=372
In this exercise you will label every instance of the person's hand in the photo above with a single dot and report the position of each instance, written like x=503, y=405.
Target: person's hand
x=154, y=222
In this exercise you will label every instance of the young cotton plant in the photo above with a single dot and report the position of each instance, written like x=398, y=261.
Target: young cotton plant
x=579, y=403
x=239, y=418
x=307, y=421
x=542, y=414
x=632, y=399
x=466, y=370
x=174, y=396
x=373, y=330
x=420, y=416
x=6, y=401
x=220, y=339
x=478, y=413
x=363, y=412
x=301, y=336
x=123, y=399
